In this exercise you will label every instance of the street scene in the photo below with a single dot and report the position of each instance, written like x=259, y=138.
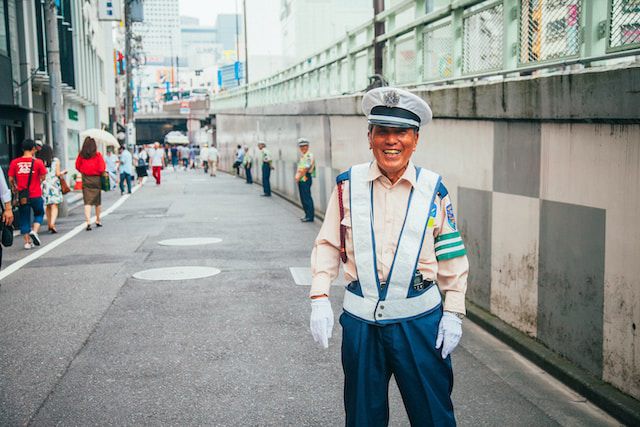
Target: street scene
x=319, y=212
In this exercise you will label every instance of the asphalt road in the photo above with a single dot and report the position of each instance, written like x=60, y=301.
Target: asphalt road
x=82, y=342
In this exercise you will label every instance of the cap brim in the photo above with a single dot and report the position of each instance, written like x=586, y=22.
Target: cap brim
x=392, y=124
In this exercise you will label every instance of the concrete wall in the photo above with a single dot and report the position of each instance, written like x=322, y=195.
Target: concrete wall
x=545, y=176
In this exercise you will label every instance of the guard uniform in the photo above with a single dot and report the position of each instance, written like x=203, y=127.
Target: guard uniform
x=266, y=171
x=246, y=162
x=306, y=162
x=401, y=250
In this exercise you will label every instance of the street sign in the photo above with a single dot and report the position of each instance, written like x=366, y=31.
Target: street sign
x=231, y=75
x=184, y=107
x=109, y=10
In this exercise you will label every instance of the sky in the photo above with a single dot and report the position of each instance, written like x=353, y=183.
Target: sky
x=263, y=22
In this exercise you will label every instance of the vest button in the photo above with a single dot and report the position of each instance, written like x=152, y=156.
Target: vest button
x=382, y=307
x=379, y=314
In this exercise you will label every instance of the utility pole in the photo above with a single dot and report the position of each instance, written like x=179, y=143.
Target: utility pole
x=129, y=78
x=246, y=54
x=55, y=91
x=55, y=82
x=378, y=29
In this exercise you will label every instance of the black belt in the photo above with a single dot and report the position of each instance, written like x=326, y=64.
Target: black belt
x=418, y=286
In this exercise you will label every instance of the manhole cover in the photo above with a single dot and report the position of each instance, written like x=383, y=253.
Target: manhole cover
x=176, y=273
x=190, y=241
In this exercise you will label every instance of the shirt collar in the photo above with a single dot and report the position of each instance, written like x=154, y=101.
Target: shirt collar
x=408, y=175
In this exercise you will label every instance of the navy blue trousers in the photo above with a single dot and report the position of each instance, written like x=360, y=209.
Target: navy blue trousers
x=305, y=197
x=266, y=175
x=247, y=172
x=406, y=350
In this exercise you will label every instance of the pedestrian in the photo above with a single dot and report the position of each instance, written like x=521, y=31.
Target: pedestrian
x=247, y=163
x=184, y=152
x=267, y=167
x=140, y=158
x=192, y=157
x=174, y=157
x=111, y=160
x=204, y=155
x=26, y=174
x=212, y=159
x=304, y=177
x=239, y=159
x=7, y=211
x=92, y=166
x=392, y=225
x=124, y=164
x=51, y=189
x=157, y=160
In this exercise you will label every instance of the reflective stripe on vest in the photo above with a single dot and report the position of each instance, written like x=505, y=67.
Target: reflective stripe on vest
x=376, y=305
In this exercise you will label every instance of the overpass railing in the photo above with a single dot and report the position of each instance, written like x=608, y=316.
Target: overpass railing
x=429, y=42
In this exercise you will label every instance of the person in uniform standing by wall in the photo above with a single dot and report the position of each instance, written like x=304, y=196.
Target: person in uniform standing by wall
x=267, y=167
x=247, y=162
x=393, y=227
x=304, y=177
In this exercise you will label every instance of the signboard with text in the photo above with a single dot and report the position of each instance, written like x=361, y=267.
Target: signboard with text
x=109, y=10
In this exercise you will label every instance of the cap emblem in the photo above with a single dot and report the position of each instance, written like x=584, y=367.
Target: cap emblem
x=391, y=98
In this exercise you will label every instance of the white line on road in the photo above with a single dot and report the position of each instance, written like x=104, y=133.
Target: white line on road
x=51, y=246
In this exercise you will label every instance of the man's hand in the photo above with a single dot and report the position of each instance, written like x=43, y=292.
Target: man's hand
x=7, y=215
x=449, y=333
x=321, y=321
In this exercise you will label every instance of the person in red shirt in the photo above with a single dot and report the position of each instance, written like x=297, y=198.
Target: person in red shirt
x=19, y=171
x=91, y=165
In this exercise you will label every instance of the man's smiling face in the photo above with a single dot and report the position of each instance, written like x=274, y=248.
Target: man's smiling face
x=393, y=147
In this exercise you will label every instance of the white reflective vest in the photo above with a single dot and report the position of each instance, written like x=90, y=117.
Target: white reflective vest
x=370, y=301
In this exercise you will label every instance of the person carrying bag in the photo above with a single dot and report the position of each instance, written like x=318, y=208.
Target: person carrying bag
x=26, y=174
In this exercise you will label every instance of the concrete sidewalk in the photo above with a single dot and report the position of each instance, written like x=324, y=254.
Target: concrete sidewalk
x=82, y=342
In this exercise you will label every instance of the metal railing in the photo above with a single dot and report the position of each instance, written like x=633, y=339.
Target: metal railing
x=457, y=40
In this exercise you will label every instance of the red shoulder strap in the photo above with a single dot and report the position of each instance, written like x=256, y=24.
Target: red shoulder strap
x=343, y=229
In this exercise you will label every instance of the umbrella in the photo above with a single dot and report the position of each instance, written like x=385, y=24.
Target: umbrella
x=101, y=136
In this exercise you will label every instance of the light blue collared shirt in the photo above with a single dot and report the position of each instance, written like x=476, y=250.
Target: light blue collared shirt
x=125, y=162
x=5, y=191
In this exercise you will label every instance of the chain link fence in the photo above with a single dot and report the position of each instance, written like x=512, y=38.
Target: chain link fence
x=438, y=51
x=405, y=59
x=549, y=29
x=483, y=35
x=624, y=26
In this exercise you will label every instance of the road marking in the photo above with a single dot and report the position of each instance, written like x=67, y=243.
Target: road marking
x=51, y=246
x=302, y=276
x=176, y=273
x=190, y=241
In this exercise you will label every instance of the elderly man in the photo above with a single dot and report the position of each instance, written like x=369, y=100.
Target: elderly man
x=267, y=166
x=304, y=177
x=392, y=225
x=157, y=159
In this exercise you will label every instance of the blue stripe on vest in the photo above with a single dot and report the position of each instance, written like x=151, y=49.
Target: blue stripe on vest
x=344, y=176
x=442, y=190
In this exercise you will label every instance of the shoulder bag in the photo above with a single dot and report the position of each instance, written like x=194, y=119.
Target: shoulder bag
x=23, y=195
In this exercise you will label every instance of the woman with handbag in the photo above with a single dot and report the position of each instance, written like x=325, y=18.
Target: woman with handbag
x=7, y=214
x=92, y=166
x=51, y=186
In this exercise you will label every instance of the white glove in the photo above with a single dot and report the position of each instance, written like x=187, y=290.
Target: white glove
x=449, y=333
x=321, y=322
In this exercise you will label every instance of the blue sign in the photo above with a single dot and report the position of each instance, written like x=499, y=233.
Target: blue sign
x=231, y=75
